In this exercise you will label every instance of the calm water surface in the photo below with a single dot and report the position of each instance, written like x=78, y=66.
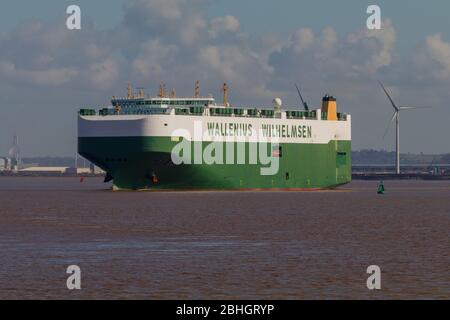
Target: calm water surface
x=208, y=245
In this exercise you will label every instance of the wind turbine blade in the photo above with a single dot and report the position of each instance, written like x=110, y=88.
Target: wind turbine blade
x=412, y=108
x=389, y=97
x=389, y=124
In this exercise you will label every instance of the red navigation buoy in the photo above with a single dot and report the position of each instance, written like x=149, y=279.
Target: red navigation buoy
x=81, y=179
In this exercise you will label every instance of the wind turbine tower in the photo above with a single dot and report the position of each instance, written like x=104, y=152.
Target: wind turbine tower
x=14, y=154
x=396, y=117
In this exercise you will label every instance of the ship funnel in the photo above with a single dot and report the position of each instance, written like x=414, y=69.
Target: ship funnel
x=329, y=107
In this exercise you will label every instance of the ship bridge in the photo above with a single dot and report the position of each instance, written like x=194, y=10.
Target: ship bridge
x=163, y=102
x=170, y=104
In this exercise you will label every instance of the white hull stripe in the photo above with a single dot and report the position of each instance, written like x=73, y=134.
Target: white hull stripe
x=214, y=128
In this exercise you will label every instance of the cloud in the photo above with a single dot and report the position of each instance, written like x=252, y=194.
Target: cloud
x=439, y=51
x=376, y=45
x=175, y=21
x=51, y=76
x=325, y=59
x=153, y=59
x=302, y=39
x=174, y=41
x=105, y=73
x=221, y=25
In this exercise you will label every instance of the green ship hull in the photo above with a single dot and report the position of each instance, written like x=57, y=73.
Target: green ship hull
x=136, y=163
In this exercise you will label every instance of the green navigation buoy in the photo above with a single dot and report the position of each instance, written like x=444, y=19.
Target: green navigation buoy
x=381, y=188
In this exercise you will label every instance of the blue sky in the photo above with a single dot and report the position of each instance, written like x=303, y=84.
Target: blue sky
x=260, y=47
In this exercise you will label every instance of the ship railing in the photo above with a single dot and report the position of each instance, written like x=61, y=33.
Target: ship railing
x=195, y=111
x=200, y=111
x=310, y=115
x=87, y=112
x=132, y=111
x=261, y=113
x=221, y=112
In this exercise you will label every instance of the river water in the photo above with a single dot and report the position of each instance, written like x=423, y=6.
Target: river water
x=223, y=245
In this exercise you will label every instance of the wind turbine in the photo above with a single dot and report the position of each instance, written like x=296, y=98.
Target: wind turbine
x=396, y=117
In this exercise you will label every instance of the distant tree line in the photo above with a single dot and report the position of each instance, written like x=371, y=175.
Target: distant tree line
x=373, y=157
x=370, y=156
x=50, y=161
x=446, y=158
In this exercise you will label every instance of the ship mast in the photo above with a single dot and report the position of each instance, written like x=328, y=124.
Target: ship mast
x=197, y=89
x=141, y=93
x=129, y=93
x=225, y=95
x=162, y=90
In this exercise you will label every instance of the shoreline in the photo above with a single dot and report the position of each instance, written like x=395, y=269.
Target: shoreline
x=355, y=176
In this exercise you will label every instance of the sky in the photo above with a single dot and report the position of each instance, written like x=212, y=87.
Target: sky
x=259, y=47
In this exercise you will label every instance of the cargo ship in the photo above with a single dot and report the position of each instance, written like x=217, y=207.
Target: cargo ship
x=167, y=142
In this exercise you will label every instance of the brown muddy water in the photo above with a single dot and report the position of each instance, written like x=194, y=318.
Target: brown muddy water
x=223, y=245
